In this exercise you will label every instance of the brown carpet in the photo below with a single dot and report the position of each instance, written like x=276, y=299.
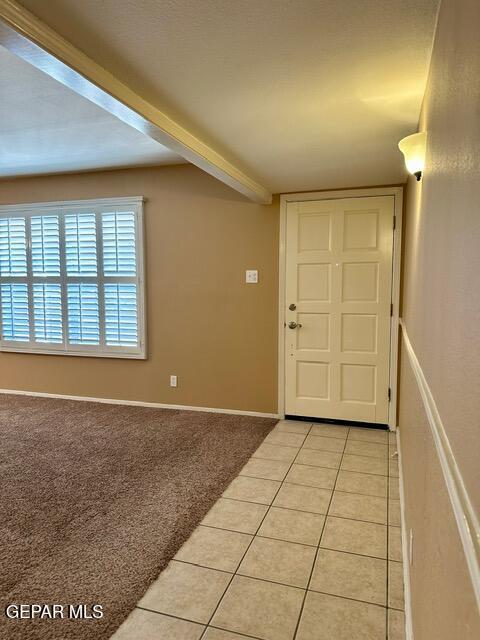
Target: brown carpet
x=95, y=499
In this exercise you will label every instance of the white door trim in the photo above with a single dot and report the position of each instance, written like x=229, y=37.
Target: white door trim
x=397, y=192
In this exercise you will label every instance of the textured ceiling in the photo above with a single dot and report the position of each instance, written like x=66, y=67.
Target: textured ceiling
x=304, y=94
x=47, y=128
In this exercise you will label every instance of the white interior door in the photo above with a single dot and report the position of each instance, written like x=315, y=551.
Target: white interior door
x=338, y=296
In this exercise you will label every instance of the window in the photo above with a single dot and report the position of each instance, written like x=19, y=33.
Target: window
x=71, y=278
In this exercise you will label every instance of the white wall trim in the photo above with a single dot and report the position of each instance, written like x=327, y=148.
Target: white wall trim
x=405, y=549
x=397, y=192
x=138, y=403
x=22, y=207
x=463, y=510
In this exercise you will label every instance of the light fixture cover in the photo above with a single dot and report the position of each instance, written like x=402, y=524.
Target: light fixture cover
x=413, y=148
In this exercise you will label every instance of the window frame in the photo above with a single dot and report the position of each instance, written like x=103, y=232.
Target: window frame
x=63, y=208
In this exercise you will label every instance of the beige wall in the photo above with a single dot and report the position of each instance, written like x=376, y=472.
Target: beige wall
x=441, y=311
x=216, y=333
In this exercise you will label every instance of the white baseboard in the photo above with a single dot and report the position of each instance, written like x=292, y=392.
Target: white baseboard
x=139, y=403
x=405, y=550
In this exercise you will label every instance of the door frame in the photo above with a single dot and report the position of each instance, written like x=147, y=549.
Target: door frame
x=397, y=193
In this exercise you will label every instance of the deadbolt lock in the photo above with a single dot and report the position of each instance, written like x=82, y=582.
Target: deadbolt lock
x=292, y=306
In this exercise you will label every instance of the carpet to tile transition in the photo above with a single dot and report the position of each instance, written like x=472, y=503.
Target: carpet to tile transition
x=95, y=499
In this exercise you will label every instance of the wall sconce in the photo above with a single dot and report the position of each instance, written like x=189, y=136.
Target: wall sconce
x=413, y=148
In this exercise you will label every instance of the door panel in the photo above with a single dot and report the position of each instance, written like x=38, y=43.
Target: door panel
x=338, y=276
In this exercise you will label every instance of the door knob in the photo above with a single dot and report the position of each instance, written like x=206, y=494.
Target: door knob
x=292, y=306
x=294, y=325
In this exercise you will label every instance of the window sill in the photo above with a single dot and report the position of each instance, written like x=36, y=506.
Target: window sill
x=137, y=355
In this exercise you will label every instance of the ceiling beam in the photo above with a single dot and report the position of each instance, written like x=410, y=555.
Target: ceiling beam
x=32, y=40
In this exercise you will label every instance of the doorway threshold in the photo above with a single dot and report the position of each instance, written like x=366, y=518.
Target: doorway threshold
x=348, y=423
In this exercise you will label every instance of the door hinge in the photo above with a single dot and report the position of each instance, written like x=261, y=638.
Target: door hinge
x=389, y=394
x=394, y=222
x=391, y=309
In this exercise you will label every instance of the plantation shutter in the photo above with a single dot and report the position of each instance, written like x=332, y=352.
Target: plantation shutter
x=15, y=316
x=71, y=278
x=13, y=247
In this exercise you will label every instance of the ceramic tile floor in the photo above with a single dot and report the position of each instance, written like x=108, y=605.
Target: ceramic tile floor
x=304, y=544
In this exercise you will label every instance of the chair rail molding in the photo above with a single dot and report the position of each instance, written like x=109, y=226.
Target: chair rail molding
x=464, y=512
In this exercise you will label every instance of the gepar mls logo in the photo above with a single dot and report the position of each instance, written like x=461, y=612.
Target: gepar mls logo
x=54, y=611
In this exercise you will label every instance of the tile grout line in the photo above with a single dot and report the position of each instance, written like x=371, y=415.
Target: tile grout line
x=253, y=538
x=333, y=438
x=317, y=513
x=369, y=473
x=317, y=435
x=318, y=546
x=283, y=584
x=348, y=454
x=168, y=615
x=305, y=484
x=304, y=544
x=238, y=633
x=313, y=486
x=171, y=615
x=201, y=624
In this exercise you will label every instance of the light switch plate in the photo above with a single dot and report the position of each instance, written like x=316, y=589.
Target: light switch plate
x=251, y=276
